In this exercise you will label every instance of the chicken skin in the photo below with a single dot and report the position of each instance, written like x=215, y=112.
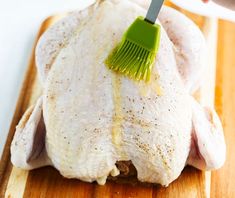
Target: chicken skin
x=90, y=119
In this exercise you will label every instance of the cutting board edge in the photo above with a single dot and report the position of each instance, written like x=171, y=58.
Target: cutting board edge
x=5, y=164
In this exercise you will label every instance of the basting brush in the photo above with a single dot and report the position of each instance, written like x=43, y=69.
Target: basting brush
x=135, y=55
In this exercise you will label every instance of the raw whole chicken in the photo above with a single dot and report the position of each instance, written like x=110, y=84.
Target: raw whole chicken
x=91, y=123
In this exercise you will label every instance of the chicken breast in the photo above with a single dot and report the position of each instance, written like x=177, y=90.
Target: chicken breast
x=95, y=118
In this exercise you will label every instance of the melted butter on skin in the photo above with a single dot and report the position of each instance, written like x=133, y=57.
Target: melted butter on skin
x=164, y=162
x=115, y=172
x=102, y=180
x=118, y=119
x=68, y=149
x=153, y=85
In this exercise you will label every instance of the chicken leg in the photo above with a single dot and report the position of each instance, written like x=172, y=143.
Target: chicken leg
x=207, y=137
x=28, y=146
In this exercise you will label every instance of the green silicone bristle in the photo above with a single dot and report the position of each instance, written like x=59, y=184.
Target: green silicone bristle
x=135, y=55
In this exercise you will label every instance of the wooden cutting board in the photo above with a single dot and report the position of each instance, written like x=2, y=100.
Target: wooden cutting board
x=47, y=182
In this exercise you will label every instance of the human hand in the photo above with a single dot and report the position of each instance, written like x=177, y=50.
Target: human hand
x=230, y=4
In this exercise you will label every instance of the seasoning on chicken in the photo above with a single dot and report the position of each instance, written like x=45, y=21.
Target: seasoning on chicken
x=91, y=123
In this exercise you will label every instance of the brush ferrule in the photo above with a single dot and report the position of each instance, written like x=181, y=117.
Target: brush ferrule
x=153, y=11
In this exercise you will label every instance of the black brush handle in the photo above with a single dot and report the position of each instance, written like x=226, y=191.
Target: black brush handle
x=153, y=11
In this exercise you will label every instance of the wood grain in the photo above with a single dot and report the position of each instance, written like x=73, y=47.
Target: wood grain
x=47, y=182
x=25, y=98
x=222, y=184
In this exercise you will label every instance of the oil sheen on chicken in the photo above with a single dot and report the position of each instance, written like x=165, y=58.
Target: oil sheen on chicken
x=91, y=123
